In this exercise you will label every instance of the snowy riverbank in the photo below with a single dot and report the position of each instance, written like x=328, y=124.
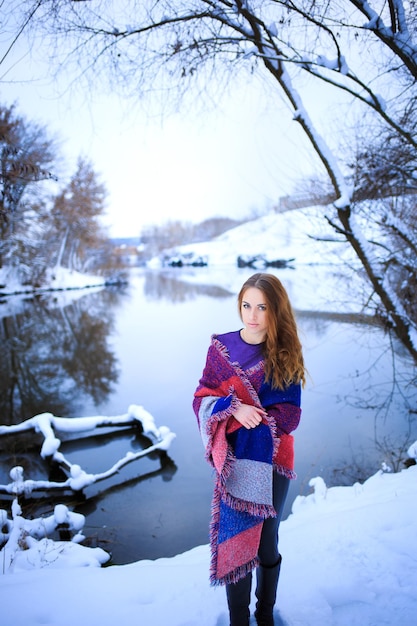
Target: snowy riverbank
x=57, y=278
x=349, y=558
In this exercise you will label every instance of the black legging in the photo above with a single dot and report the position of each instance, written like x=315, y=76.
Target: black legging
x=268, y=552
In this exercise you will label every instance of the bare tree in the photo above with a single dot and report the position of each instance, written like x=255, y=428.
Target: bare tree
x=37, y=229
x=364, y=49
x=75, y=229
x=25, y=153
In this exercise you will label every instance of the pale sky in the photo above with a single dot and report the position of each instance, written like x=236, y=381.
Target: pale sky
x=229, y=161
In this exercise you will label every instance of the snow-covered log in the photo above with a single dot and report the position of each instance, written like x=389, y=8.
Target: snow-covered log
x=78, y=479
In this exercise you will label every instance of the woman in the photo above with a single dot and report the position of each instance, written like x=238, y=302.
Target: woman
x=247, y=403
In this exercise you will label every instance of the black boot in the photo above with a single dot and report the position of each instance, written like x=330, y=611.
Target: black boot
x=266, y=592
x=238, y=600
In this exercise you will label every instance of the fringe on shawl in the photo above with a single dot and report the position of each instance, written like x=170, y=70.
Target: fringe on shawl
x=284, y=471
x=214, y=535
x=257, y=368
x=276, y=440
x=253, y=508
x=237, y=574
x=280, y=469
x=222, y=416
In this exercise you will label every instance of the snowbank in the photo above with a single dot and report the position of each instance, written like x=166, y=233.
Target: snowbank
x=57, y=278
x=293, y=235
x=349, y=559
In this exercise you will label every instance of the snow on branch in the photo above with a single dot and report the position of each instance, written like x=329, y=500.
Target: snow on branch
x=342, y=189
x=398, y=33
x=337, y=64
x=48, y=424
x=375, y=21
x=27, y=544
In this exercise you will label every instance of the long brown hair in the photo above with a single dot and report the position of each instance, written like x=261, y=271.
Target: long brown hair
x=284, y=362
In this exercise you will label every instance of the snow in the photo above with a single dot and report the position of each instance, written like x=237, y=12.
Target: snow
x=349, y=553
x=56, y=278
x=349, y=558
x=78, y=479
x=303, y=235
x=276, y=236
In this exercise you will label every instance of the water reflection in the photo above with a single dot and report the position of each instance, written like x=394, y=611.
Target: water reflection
x=51, y=356
x=171, y=286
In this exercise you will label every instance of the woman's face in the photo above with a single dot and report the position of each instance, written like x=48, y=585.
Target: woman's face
x=254, y=315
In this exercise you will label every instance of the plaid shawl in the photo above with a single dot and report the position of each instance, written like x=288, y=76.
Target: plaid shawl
x=243, y=459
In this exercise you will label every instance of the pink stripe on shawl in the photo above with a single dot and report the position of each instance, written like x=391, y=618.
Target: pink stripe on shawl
x=238, y=551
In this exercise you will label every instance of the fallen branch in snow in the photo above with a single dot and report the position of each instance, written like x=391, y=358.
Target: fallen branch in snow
x=26, y=544
x=48, y=424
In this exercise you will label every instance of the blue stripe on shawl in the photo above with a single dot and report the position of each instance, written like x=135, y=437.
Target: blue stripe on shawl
x=255, y=444
x=290, y=395
x=234, y=522
x=222, y=404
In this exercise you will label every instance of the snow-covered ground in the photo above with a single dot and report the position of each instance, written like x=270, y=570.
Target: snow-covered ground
x=349, y=553
x=57, y=278
x=349, y=559
x=302, y=235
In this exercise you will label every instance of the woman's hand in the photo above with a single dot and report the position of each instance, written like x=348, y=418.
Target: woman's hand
x=249, y=416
